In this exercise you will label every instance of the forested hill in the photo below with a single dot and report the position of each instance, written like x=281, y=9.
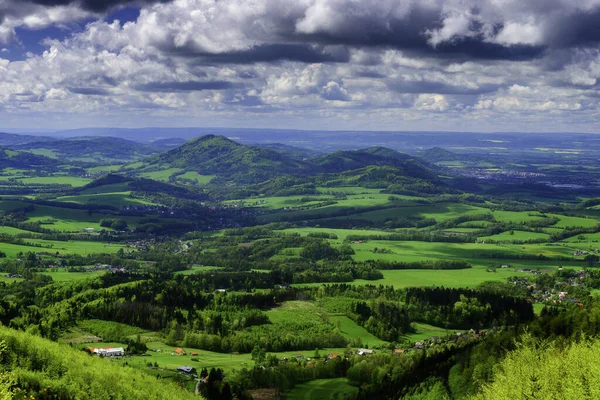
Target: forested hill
x=98, y=149
x=342, y=161
x=12, y=139
x=32, y=367
x=437, y=154
x=232, y=161
x=25, y=160
x=221, y=156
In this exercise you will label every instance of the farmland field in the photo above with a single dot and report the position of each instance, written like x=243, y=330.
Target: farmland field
x=335, y=389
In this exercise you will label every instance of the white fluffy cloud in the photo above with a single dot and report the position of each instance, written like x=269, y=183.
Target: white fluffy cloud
x=363, y=64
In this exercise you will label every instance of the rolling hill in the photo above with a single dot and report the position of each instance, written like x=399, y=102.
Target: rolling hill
x=25, y=160
x=342, y=161
x=97, y=149
x=217, y=155
x=228, y=161
x=13, y=139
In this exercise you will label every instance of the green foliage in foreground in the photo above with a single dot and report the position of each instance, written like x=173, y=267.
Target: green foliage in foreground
x=38, y=366
x=336, y=388
x=547, y=371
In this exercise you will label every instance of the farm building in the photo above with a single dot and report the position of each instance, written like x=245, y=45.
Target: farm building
x=364, y=352
x=108, y=351
x=179, y=351
x=186, y=370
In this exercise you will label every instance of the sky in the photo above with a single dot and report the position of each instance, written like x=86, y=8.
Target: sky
x=451, y=65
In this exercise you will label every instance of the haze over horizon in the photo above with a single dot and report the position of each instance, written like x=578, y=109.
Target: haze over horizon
x=521, y=66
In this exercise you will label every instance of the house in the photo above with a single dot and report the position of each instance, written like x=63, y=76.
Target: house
x=363, y=352
x=180, y=352
x=419, y=345
x=332, y=355
x=109, y=351
x=398, y=351
x=194, y=353
x=187, y=370
x=299, y=355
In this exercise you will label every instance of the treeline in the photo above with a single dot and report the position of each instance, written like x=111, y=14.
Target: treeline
x=465, y=309
x=384, y=319
x=426, y=264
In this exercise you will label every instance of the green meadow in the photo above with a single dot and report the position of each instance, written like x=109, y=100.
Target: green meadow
x=66, y=276
x=161, y=175
x=118, y=199
x=53, y=246
x=333, y=389
x=353, y=331
x=56, y=180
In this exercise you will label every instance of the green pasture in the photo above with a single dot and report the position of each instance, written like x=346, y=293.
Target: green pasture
x=591, y=238
x=196, y=269
x=56, y=180
x=353, y=331
x=468, y=278
x=164, y=356
x=118, y=199
x=425, y=331
x=194, y=176
x=70, y=247
x=162, y=175
x=7, y=205
x=416, y=251
x=342, y=234
x=332, y=389
x=568, y=221
x=66, y=276
x=70, y=220
x=9, y=230
x=440, y=212
x=112, y=188
x=516, y=216
x=517, y=235
x=104, y=169
x=348, y=190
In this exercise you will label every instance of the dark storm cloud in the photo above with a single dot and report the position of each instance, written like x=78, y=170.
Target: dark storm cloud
x=266, y=53
x=438, y=87
x=91, y=5
x=189, y=86
x=88, y=91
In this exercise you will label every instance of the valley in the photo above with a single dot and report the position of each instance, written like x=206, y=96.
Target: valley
x=278, y=271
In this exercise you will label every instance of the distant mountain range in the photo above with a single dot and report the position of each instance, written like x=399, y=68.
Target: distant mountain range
x=244, y=164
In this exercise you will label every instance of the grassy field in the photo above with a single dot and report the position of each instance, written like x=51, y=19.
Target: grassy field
x=516, y=235
x=164, y=356
x=425, y=331
x=194, y=176
x=415, y=251
x=351, y=330
x=162, y=175
x=9, y=230
x=65, y=276
x=319, y=389
x=448, y=278
x=70, y=247
x=340, y=233
x=70, y=220
x=118, y=199
x=56, y=180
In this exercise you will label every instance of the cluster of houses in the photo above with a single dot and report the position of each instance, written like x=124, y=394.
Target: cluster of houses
x=557, y=293
x=108, y=351
x=105, y=267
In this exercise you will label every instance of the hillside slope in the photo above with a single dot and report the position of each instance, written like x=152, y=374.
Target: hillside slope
x=230, y=160
x=99, y=149
x=408, y=166
x=25, y=160
x=40, y=368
